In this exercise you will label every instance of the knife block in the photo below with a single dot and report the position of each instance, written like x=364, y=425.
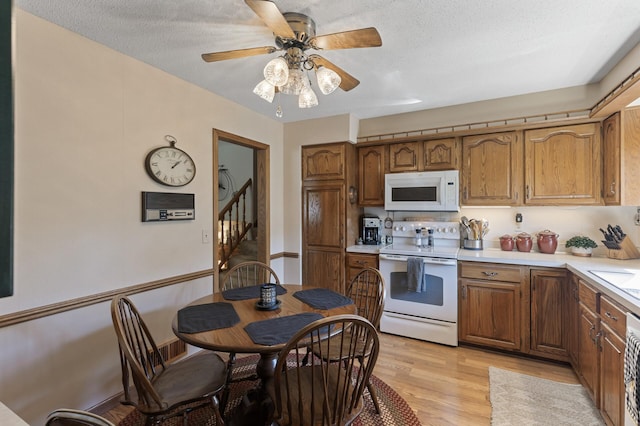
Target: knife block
x=627, y=251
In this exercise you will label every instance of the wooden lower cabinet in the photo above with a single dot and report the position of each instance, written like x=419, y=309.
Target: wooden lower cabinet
x=612, y=346
x=490, y=309
x=324, y=268
x=588, y=335
x=357, y=261
x=549, y=294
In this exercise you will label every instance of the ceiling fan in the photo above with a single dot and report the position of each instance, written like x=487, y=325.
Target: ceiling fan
x=295, y=33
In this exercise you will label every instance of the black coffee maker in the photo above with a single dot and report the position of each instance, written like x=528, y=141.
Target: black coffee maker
x=371, y=230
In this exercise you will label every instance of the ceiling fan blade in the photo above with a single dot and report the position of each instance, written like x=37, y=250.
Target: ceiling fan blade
x=348, y=81
x=272, y=17
x=235, y=54
x=365, y=37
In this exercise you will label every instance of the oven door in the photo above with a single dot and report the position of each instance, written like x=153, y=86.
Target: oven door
x=438, y=301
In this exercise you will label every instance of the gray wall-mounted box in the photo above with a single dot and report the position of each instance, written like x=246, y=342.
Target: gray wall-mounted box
x=163, y=206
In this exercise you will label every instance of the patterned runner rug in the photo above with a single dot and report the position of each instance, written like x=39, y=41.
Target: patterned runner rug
x=518, y=399
x=394, y=409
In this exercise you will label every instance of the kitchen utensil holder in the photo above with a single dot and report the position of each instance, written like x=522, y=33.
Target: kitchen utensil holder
x=472, y=244
x=627, y=250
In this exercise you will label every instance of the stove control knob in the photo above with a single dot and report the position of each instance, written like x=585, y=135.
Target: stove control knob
x=453, y=230
x=445, y=230
x=403, y=228
x=439, y=230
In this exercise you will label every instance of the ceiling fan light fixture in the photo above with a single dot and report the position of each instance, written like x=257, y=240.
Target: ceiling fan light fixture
x=276, y=71
x=297, y=81
x=307, y=98
x=328, y=80
x=265, y=90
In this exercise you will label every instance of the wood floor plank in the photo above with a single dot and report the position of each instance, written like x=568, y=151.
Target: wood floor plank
x=443, y=385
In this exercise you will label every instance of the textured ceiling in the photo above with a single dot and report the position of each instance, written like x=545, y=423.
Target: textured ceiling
x=435, y=53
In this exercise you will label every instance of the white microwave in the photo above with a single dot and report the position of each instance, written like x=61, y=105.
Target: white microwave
x=422, y=191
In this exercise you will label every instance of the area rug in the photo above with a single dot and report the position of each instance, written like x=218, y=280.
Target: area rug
x=518, y=399
x=394, y=409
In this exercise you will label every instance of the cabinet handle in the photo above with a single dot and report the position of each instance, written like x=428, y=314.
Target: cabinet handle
x=612, y=188
x=464, y=196
x=608, y=315
x=593, y=338
x=464, y=292
x=527, y=192
x=490, y=274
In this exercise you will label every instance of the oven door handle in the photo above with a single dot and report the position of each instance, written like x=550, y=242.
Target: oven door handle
x=429, y=260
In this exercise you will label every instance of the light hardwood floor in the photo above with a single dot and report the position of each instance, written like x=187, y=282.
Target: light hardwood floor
x=444, y=385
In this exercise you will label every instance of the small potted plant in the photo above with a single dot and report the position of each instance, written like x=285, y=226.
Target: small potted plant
x=580, y=245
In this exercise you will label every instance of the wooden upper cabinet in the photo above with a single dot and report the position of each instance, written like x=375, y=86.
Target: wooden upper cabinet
x=405, y=157
x=611, y=133
x=621, y=156
x=441, y=154
x=324, y=162
x=371, y=169
x=563, y=165
x=492, y=169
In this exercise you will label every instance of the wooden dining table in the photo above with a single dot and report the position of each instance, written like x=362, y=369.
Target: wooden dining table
x=235, y=338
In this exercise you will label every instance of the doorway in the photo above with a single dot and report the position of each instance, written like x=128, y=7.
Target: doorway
x=259, y=201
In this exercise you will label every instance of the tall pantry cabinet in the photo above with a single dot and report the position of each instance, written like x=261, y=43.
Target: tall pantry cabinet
x=330, y=213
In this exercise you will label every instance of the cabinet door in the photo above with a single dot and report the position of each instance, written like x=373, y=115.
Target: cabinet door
x=323, y=235
x=611, y=160
x=548, y=317
x=490, y=313
x=324, y=268
x=572, y=322
x=588, y=335
x=492, y=169
x=441, y=154
x=405, y=157
x=323, y=162
x=371, y=170
x=612, y=384
x=562, y=165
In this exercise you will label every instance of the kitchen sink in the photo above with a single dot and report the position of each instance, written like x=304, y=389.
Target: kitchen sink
x=627, y=280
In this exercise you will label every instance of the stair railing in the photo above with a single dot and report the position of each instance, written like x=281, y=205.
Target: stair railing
x=238, y=229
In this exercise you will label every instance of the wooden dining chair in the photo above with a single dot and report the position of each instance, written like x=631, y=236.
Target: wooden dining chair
x=163, y=390
x=368, y=294
x=70, y=417
x=249, y=273
x=320, y=391
x=244, y=274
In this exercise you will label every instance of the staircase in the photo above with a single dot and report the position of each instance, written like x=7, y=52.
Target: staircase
x=233, y=228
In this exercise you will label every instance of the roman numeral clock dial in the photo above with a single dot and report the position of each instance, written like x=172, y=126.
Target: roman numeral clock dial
x=169, y=165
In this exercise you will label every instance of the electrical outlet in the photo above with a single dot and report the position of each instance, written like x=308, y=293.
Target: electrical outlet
x=206, y=239
x=636, y=218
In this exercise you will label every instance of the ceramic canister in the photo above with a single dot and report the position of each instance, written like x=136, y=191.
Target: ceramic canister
x=523, y=242
x=506, y=242
x=547, y=241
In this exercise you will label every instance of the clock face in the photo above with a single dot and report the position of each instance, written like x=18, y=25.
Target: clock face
x=170, y=166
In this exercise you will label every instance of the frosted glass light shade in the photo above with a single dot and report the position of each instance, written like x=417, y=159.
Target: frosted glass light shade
x=328, y=80
x=276, y=71
x=307, y=98
x=297, y=80
x=265, y=90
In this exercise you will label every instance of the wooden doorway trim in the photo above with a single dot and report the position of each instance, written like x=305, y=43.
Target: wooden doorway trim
x=260, y=194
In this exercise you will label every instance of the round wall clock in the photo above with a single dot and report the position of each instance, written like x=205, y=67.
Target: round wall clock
x=169, y=165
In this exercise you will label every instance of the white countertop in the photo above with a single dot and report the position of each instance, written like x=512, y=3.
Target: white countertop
x=9, y=418
x=365, y=249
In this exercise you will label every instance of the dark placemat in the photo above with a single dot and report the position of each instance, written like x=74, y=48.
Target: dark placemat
x=210, y=316
x=322, y=298
x=251, y=292
x=279, y=330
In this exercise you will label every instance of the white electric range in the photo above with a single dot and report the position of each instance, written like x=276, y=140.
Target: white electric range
x=421, y=281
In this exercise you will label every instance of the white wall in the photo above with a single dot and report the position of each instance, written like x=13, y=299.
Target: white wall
x=86, y=116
